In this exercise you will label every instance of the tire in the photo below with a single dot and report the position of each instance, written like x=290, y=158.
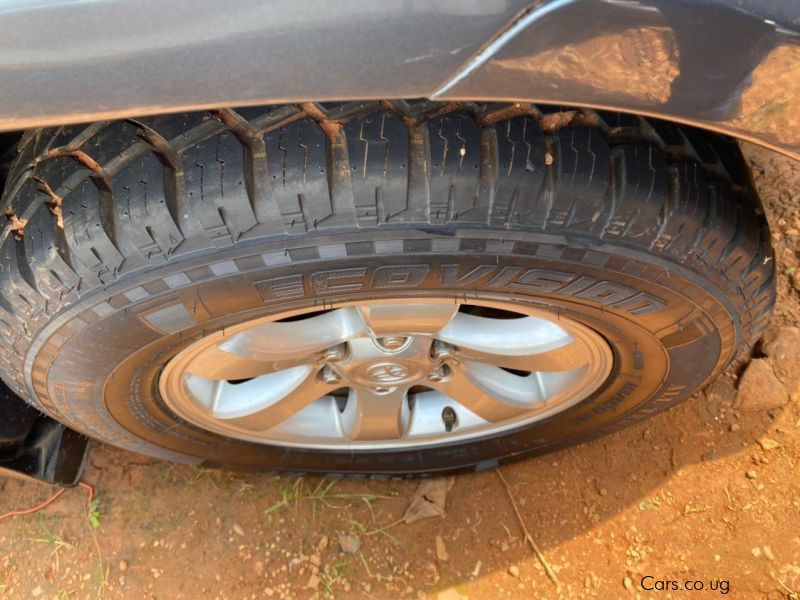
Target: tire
x=127, y=241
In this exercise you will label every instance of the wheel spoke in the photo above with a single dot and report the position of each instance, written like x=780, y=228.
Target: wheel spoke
x=218, y=364
x=408, y=318
x=295, y=339
x=488, y=391
x=566, y=357
x=427, y=412
x=507, y=337
x=369, y=415
x=319, y=420
x=263, y=402
x=525, y=344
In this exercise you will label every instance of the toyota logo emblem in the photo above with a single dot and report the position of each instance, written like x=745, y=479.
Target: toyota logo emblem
x=387, y=372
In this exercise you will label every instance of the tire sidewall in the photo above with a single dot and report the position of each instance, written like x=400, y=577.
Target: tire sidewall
x=96, y=364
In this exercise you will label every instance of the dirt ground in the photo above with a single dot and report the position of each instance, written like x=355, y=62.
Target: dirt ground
x=707, y=492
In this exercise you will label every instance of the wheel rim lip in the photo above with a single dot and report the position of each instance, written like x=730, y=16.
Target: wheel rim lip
x=173, y=392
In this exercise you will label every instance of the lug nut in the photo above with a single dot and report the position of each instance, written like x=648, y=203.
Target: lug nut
x=335, y=353
x=392, y=343
x=329, y=375
x=437, y=374
x=441, y=350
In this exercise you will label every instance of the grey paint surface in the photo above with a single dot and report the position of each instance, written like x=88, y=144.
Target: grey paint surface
x=68, y=60
x=730, y=65
x=717, y=63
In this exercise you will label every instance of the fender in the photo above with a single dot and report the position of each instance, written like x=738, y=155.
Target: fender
x=725, y=65
x=728, y=65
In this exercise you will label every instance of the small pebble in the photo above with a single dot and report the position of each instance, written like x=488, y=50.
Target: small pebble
x=513, y=570
x=477, y=570
x=751, y=474
x=441, y=550
x=628, y=583
x=313, y=582
x=768, y=444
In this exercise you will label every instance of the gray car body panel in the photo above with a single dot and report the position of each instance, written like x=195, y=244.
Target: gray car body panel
x=68, y=60
x=727, y=65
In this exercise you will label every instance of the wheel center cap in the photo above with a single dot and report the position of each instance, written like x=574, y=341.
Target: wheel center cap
x=387, y=372
x=384, y=373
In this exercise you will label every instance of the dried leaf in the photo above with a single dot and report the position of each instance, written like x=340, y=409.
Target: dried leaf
x=429, y=500
x=349, y=544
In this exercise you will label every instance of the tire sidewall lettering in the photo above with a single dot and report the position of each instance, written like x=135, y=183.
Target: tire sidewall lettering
x=493, y=277
x=623, y=308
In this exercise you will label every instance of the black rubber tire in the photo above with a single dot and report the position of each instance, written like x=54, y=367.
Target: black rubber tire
x=649, y=232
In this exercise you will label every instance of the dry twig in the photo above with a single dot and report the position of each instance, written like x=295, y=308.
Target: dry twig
x=528, y=538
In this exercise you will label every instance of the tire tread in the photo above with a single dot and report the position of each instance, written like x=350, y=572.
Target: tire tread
x=134, y=194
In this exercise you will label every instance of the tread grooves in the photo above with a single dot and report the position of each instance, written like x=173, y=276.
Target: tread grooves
x=265, y=209
x=104, y=200
x=174, y=184
x=418, y=199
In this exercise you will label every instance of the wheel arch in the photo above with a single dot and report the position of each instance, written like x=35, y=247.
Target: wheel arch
x=663, y=58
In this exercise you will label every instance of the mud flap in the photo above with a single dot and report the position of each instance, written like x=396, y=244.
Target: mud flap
x=34, y=446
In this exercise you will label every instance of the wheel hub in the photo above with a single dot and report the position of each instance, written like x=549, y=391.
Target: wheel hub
x=371, y=362
x=384, y=374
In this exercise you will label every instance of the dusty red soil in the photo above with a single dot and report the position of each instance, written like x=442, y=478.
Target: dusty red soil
x=708, y=491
